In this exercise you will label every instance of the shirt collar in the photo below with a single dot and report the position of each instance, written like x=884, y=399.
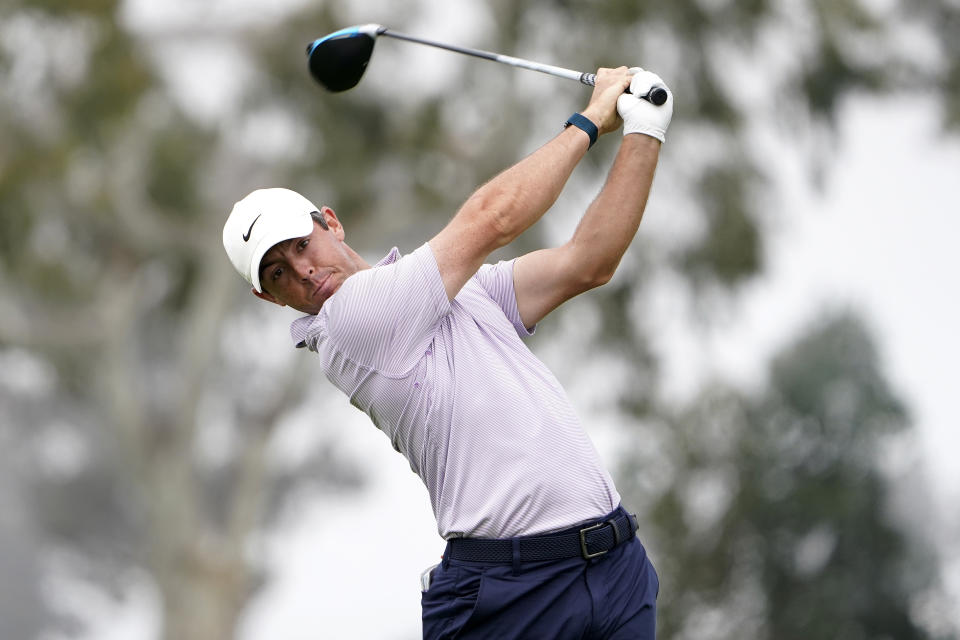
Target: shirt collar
x=392, y=256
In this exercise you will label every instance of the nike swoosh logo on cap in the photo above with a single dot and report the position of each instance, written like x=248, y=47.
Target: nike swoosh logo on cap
x=246, y=236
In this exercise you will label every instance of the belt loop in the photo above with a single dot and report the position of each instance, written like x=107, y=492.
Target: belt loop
x=617, y=537
x=446, y=555
x=516, y=556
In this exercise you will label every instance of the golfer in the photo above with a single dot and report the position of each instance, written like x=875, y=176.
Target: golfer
x=430, y=346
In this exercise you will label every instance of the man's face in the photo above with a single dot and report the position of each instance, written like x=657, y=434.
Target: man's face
x=304, y=272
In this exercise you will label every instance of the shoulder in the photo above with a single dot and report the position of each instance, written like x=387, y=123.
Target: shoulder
x=396, y=285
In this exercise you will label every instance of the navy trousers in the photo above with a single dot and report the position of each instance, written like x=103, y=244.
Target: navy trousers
x=611, y=597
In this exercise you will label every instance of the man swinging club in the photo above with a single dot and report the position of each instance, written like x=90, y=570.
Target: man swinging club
x=429, y=346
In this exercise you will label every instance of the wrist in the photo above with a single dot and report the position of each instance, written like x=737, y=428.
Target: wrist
x=653, y=133
x=641, y=141
x=591, y=114
x=585, y=124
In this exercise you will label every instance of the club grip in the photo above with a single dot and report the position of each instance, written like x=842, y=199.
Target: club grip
x=656, y=95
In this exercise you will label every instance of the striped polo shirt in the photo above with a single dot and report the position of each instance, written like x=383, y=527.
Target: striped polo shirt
x=480, y=419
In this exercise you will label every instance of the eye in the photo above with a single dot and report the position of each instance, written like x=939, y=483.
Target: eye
x=303, y=244
x=275, y=275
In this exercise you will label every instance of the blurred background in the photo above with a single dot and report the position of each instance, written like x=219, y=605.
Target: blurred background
x=770, y=375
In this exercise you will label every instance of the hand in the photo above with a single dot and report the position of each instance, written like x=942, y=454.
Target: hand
x=641, y=116
x=602, y=110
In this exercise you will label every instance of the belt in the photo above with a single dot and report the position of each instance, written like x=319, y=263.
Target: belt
x=588, y=541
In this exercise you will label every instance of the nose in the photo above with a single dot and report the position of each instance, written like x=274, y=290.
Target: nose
x=303, y=269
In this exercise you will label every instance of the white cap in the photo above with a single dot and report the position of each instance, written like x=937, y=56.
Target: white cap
x=259, y=221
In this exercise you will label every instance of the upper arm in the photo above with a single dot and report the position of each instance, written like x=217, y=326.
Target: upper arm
x=464, y=244
x=547, y=278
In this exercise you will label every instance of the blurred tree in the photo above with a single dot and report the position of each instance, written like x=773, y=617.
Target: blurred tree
x=23, y=610
x=113, y=281
x=768, y=518
x=113, y=192
x=772, y=518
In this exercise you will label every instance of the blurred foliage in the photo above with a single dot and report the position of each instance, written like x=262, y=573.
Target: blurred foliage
x=114, y=187
x=731, y=248
x=773, y=521
x=112, y=196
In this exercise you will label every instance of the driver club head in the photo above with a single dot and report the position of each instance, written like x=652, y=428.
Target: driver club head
x=337, y=61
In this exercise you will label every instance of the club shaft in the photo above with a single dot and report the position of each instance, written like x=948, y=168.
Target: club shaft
x=560, y=72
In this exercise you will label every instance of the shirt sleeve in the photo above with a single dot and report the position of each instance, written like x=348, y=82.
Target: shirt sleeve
x=385, y=317
x=497, y=280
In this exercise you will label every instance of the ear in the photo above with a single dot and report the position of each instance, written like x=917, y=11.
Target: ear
x=266, y=296
x=333, y=222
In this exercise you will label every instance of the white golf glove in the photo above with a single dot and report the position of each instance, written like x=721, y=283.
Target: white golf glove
x=642, y=116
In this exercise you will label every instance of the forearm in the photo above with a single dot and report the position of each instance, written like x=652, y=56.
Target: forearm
x=612, y=219
x=514, y=200
x=545, y=279
x=519, y=196
x=509, y=204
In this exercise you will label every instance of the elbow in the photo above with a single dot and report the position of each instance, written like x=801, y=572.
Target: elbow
x=597, y=278
x=582, y=268
x=604, y=277
x=502, y=229
x=591, y=257
x=586, y=275
x=494, y=214
x=591, y=267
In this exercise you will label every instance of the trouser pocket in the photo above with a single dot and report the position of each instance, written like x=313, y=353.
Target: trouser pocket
x=450, y=601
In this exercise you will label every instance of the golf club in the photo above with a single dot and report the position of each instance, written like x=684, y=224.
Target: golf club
x=338, y=60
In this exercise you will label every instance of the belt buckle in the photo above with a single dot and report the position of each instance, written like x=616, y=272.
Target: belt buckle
x=583, y=541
